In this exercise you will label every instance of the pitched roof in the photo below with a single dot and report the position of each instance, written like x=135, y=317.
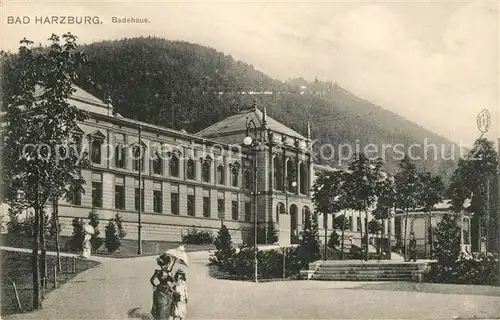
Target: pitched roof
x=237, y=123
x=79, y=94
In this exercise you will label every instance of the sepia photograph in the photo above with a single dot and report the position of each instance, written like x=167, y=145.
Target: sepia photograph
x=177, y=160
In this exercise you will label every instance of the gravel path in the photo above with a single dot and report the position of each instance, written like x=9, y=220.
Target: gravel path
x=111, y=289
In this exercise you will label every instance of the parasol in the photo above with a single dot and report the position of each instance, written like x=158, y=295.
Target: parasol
x=179, y=254
x=88, y=229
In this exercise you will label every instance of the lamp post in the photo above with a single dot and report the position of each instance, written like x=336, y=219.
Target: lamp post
x=139, y=218
x=252, y=142
x=294, y=184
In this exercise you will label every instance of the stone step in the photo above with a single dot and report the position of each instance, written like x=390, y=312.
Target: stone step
x=363, y=272
x=363, y=278
x=388, y=267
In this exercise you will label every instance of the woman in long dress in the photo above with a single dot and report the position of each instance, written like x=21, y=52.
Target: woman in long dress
x=163, y=291
x=181, y=297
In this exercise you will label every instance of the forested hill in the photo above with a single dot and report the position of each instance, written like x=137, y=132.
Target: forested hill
x=177, y=84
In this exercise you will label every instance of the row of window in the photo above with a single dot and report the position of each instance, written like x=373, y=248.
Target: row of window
x=158, y=206
x=280, y=170
x=157, y=164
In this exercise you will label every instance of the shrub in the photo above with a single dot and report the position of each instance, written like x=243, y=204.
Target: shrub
x=309, y=244
x=447, y=248
x=272, y=233
x=114, y=233
x=75, y=242
x=224, y=249
x=333, y=240
x=198, y=237
x=95, y=241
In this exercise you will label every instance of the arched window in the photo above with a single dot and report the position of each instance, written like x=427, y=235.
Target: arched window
x=306, y=213
x=138, y=157
x=304, y=179
x=95, y=149
x=278, y=173
x=120, y=155
x=235, y=172
x=157, y=163
x=190, y=169
x=174, y=166
x=205, y=170
x=291, y=175
x=280, y=209
x=220, y=174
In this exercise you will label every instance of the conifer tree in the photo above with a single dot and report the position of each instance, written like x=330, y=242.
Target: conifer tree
x=447, y=249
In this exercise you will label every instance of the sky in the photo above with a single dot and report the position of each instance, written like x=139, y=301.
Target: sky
x=434, y=63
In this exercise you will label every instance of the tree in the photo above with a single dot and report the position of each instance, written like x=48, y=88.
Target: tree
x=333, y=240
x=329, y=196
x=76, y=240
x=309, y=243
x=447, y=249
x=408, y=186
x=386, y=197
x=475, y=179
x=432, y=194
x=362, y=186
x=41, y=120
x=224, y=248
x=272, y=233
x=114, y=233
x=95, y=241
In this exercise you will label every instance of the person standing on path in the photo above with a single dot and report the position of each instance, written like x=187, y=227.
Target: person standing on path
x=413, y=247
x=181, y=297
x=163, y=291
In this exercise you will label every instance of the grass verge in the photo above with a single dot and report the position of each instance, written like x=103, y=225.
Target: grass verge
x=16, y=268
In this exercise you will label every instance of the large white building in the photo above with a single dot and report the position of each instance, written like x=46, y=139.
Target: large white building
x=197, y=180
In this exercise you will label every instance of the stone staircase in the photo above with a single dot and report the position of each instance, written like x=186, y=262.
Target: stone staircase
x=355, y=270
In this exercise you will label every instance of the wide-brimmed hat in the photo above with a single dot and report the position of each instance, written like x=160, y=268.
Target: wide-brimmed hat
x=164, y=258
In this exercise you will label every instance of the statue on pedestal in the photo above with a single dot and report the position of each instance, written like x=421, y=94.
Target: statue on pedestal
x=88, y=231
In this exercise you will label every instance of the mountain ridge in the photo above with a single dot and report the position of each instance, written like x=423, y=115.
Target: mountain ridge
x=176, y=84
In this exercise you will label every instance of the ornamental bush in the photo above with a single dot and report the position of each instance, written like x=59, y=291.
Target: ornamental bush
x=198, y=237
x=224, y=249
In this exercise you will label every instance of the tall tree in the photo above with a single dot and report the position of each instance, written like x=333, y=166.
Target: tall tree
x=329, y=196
x=364, y=176
x=476, y=179
x=408, y=186
x=386, y=197
x=432, y=194
x=40, y=157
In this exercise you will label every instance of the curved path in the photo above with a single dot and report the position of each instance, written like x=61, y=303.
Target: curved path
x=111, y=289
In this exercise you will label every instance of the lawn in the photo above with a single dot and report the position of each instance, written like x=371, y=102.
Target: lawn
x=128, y=248
x=433, y=288
x=16, y=268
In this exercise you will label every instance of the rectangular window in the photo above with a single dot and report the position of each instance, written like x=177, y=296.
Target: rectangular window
x=248, y=211
x=234, y=210
x=120, y=192
x=157, y=201
x=190, y=205
x=77, y=198
x=97, y=194
x=206, y=207
x=174, y=203
x=137, y=199
x=120, y=197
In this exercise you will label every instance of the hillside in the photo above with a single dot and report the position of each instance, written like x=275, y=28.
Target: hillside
x=176, y=84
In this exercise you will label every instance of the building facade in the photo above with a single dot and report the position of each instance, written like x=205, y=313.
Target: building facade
x=198, y=181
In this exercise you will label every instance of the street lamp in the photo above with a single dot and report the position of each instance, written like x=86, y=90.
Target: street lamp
x=252, y=143
x=294, y=184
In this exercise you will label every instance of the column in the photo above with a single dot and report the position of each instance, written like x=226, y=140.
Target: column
x=297, y=165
